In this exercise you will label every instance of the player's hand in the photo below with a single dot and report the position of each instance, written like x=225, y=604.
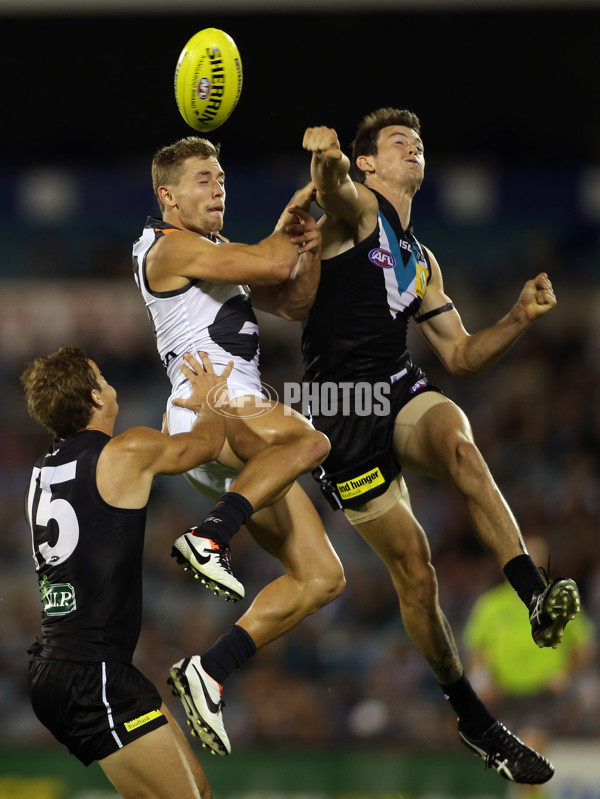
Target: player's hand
x=537, y=297
x=322, y=142
x=207, y=387
x=304, y=231
x=304, y=196
x=301, y=200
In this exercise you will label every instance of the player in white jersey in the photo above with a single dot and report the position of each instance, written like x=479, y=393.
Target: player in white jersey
x=197, y=288
x=219, y=317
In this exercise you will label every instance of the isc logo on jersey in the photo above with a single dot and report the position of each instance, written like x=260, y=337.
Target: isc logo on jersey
x=382, y=258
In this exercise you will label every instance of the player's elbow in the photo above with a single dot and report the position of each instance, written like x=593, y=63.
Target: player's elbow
x=277, y=271
x=294, y=314
x=271, y=273
x=203, y=450
x=294, y=311
x=455, y=362
x=212, y=449
x=466, y=363
x=460, y=370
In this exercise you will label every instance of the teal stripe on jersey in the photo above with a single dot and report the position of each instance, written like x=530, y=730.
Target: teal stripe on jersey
x=404, y=274
x=400, y=280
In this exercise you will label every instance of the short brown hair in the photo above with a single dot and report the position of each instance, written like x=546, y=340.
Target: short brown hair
x=58, y=390
x=168, y=161
x=365, y=141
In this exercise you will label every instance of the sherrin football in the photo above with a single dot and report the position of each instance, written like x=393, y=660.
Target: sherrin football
x=208, y=79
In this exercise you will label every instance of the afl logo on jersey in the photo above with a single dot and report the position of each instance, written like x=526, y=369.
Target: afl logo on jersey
x=382, y=258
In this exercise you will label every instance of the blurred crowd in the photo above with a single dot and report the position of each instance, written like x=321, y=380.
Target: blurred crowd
x=348, y=674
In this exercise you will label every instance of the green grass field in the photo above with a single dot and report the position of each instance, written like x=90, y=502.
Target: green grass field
x=51, y=773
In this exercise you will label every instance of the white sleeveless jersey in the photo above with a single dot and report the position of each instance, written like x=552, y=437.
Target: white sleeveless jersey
x=216, y=318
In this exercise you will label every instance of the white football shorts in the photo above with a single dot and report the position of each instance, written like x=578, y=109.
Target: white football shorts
x=211, y=479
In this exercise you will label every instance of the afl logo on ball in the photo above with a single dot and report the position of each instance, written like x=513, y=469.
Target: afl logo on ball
x=382, y=258
x=203, y=88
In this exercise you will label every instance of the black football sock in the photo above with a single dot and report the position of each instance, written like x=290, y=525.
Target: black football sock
x=474, y=716
x=229, y=652
x=225, y=519
x=524, y=576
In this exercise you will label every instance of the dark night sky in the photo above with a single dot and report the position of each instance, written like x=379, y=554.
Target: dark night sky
x=509, y=86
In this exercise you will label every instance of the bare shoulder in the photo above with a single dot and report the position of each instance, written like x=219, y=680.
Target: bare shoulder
x=132, y=449
x=177, y=245
x=369, y=210
x=122, y=475
x=433, y=262
x=366, y=197
x=168, y=262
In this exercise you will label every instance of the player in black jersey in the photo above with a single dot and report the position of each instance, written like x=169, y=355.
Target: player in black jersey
x=86, y=507
x=375, y=276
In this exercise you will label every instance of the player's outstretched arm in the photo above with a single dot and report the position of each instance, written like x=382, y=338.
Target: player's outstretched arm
x=337, y=194
x=183, y=256
x=464, y=354
x=179, y=453
x=129, y=462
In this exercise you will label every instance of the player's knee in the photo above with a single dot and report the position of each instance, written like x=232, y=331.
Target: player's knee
x=336, y=583
x=315, y=447
x=417, y=585
x=332, y=587
x=328, y=586
x=469, y=463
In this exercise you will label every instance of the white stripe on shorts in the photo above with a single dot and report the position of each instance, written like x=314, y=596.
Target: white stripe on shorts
x=109, y=714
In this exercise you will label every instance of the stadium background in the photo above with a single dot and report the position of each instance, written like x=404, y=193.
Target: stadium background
x=508, y=99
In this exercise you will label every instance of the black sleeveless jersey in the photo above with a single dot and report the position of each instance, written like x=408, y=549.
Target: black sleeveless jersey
x=88, y=557
x=356, y=328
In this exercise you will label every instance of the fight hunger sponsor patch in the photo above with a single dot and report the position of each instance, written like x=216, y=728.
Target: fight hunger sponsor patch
x=361, y=484
x=141, y=720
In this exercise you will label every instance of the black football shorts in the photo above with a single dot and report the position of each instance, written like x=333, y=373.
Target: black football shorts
x=93, y=708
x=362, y=463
